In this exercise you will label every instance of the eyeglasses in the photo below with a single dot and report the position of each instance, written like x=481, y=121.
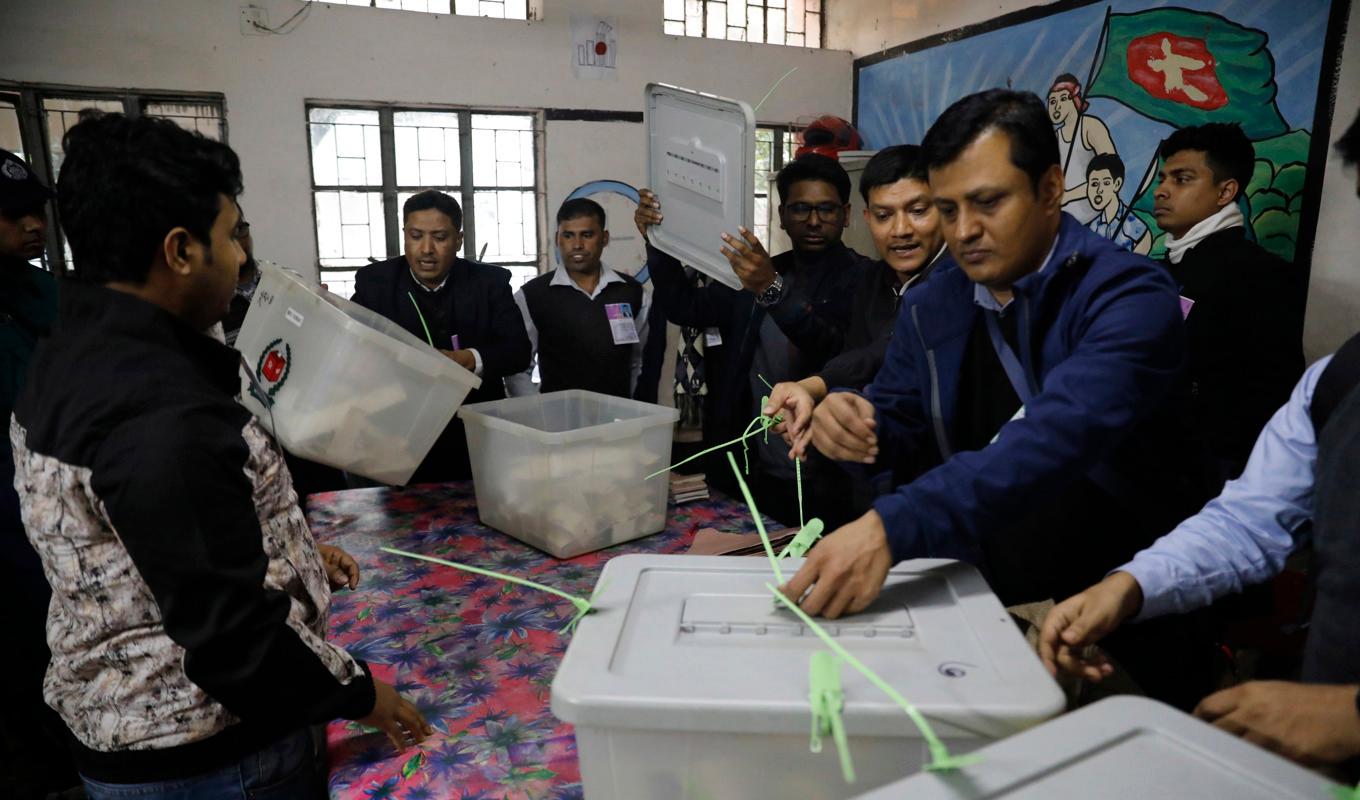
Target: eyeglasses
x=800, y=212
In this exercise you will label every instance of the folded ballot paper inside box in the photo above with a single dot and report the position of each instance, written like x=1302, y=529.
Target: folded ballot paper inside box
x=566, y=472
x=1121, y=748
x=341, y=385
x=688, y=681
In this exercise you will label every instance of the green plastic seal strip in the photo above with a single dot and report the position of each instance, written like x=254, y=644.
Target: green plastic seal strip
x=583, y=606
x=806, y=536
x=827, y=699
x=759, y=425
x=940, y=759
x=428, y=337
x=1346, y=792
x=760, y=526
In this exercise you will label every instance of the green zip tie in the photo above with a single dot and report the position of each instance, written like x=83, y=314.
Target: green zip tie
x=804, y=539
x=583, y=606
x=755, y=514
x=763, y=421
x=428, y=337
x=828, y=700
x=1346, y=792
x=940, y=759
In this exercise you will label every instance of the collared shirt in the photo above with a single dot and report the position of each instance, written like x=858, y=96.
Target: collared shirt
x=476, y=356
x=1125, y=230
x=1244, y=535
x=523, y=383
x=984, y=298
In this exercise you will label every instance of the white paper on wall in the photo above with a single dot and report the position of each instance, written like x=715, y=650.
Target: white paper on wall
x=594, y=47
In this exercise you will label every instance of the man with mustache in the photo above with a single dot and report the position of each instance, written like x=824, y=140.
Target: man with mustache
x=1245, y=327
x=587, y=323
x=464, y=307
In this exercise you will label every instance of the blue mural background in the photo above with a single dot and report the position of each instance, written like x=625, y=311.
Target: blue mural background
x=898, y=97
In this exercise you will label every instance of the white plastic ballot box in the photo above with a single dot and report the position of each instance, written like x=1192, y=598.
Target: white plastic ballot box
x=688, y=682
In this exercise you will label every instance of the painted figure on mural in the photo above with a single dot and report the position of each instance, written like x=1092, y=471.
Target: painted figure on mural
x=1081, y=137
x=1113, y=219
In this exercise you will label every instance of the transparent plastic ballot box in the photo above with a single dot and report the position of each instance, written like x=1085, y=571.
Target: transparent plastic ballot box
x=1121, y=748
x=342, y=385
x=700, y=163
x=566, y=471
x=688, y=682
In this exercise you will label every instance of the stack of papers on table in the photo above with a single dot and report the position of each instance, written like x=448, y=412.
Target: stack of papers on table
x=687, y=488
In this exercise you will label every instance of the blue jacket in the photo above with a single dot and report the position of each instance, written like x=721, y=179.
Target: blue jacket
x=1103, y=347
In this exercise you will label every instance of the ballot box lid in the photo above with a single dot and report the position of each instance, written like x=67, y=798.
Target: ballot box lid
x=1121, y=748
x=681, y=642
x=700, y=163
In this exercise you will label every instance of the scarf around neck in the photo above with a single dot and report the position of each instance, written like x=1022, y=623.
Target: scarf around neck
x=1229, y=216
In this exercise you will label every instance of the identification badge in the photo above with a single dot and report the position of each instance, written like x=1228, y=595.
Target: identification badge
x=712, y=337
x=1186, y=305
x=621, y=323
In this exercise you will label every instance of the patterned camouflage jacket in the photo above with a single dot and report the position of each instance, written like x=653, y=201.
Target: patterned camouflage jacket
x=189, y=602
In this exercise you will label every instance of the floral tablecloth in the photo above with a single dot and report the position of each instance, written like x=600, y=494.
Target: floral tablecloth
x=476, y=655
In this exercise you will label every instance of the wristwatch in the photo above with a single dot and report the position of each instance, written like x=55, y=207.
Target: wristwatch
x=770, y=294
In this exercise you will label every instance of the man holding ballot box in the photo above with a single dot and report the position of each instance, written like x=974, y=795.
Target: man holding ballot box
x=462, y=308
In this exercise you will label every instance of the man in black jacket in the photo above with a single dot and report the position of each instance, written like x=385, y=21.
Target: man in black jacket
x=463, y=308
x=1244, y=322
x=906, y=231
x=786, y=323
x=188, y=616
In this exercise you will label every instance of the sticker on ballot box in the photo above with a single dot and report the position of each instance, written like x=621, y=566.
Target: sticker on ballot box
x=293, y=316
x=621, y=323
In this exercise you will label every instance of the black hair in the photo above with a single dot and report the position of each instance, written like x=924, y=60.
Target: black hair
x=1020, y=115
x=1349, y=143
x=581, y=207
x=1107, y=161
x=813, y=167
x=890, y=165
x=125, y=183
x=428, y=199
x=1227, y=150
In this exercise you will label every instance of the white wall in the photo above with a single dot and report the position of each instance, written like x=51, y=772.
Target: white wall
x=868, y=26
x=349, y=53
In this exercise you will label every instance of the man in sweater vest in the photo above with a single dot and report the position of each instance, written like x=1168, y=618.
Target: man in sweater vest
x=1244, y=330
x=1298, y=486
x=587, y=324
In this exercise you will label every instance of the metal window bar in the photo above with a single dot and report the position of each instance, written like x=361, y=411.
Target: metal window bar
x=393, y=192
x=798, y=23
x=500, y=9
x=36, y=103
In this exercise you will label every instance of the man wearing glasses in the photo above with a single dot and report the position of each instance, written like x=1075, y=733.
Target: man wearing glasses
x=788, y=320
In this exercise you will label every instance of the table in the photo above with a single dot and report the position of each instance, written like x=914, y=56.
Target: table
x=476, y=655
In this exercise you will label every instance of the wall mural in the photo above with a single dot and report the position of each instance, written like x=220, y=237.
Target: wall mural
x=1118, y=77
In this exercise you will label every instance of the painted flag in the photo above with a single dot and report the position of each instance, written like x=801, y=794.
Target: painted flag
x=1189, y=68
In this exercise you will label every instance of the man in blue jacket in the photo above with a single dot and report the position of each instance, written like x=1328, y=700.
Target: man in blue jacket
x=463, y=308
x=1027, y=403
